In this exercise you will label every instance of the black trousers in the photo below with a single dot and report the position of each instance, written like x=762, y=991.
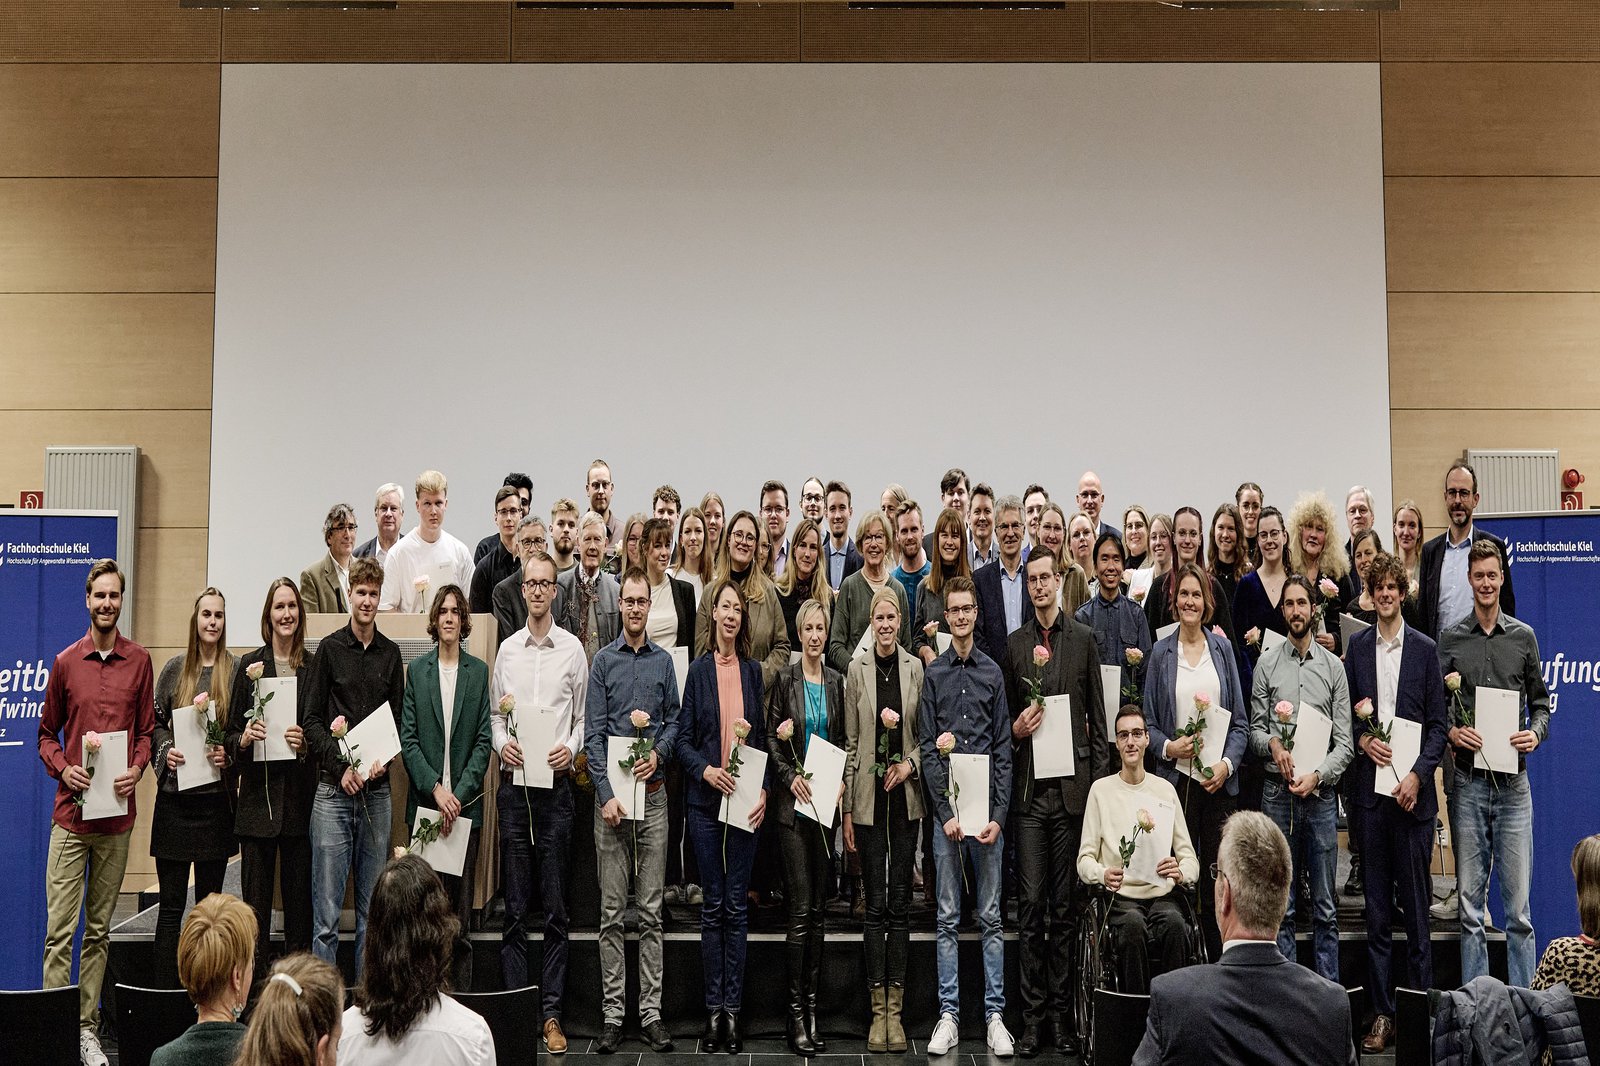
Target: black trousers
x=886, y=854
x=1204, y=812
x=1049, y=901
x=806, y=872
x=460, y=891
x=1395, y=850
x=551, y=810
x=286, y=861
x=173, y=878
x=1137, y=925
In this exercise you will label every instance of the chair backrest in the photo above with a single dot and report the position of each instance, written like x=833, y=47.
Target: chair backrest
x=514, y=1019
x=40, y=1026
x=148, y=1018
x=1358, y=1011
x=1413, y=1028
x=1119, y=1020
x=1589, y=1020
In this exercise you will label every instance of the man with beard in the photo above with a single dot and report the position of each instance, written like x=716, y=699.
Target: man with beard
x=564, y=535
x=1444, y=592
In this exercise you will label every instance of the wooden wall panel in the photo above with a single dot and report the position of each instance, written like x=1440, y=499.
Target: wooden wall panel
x=1425, y=443
x=1491, y=118
x=410, y=33
x=120, y=350
x=833, y=33
x=1493, y=234
x=109, y=119
x=1520, y=350
x=109, y=31
x=749, y=33
x=1150, y=32
x=175, y=467
x=171, y=572
x=1514, y=30
x=108, y=234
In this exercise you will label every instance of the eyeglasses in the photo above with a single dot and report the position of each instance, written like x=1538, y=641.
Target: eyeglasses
x=1040, y=579
x=505, y=512
x=636, y=603
x=598, y=485
x=538, y=586
x=1216, y=873
x=811, y=497
x=1458, y=494
x=345, y=527
x=1129, y=734
x=774, y=509
x=963, y=610
x=739, y=536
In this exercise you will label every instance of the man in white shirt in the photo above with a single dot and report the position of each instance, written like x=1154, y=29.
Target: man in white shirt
x=389, y=510
x=1143, y=914
x=426, y=559
x=543, y=669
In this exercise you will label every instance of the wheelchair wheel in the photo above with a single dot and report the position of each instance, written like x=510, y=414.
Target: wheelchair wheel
x=1096, y=969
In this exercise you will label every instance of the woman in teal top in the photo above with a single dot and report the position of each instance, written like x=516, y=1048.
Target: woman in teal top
x=216, y=959
x=806, y=700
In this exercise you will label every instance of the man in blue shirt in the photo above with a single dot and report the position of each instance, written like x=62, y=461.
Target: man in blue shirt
x=914, y=563
x=1118, y=623
x=963, y=695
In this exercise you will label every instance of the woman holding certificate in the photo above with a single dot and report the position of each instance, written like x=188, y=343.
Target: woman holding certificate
x=806, y=703
x=720, y=733
x=882, y=806
x=273, y=817
x=1195, y=709
x=193, y=822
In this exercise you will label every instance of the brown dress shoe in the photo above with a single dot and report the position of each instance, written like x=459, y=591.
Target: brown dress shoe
x=555, y=1041
x=1378, y=1037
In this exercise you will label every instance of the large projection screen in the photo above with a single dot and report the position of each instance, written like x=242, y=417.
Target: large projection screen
x=713, y=275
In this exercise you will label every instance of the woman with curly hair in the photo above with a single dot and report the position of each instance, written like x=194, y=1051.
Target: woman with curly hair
x=1316, y=553
x=401, y=1013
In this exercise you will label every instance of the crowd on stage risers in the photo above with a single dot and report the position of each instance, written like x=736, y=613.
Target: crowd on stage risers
x=995, y=633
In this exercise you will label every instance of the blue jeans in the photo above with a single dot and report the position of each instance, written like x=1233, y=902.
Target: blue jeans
x=725, y=912
x=1489, y=823
x=987, y=860
x=1310, y=823
x=346, y=830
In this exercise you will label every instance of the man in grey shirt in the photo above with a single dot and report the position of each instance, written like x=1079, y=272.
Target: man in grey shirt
x=1301, y=793
x=1493, y=812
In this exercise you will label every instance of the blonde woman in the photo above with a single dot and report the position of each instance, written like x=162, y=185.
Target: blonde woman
x=215, y=963
x=804, y=578
x=712, y=510
x=298, y=1018
x=1053, y=535
x=852, y=610
x=192, y=827
x=1316, y=554
x=895, y=498
x=737, y=562
x=1408, y=544
x=691, y=560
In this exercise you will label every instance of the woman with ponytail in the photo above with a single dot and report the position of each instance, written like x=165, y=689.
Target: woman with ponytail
x=297, y=1017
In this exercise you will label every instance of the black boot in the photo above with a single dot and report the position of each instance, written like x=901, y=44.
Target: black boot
x=1353, y=885
x=814, y=948
x=711, y=1040
x=733, y=1038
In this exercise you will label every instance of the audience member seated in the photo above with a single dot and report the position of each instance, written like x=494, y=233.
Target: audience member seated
x=1253, y=1006
x=401, y=1014
x=216, y=957
x=297, y=1017
x=1575, y=960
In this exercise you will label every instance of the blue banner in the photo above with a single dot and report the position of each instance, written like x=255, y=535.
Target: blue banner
x=44, y=560
x=1555, y=562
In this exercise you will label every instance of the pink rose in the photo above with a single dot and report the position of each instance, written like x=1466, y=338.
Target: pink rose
x=1252, y=636
x=1328, y=588
x=255, y=670
x=786, y=729
x=1218, y=631
x=1284, y=710
x=930, y=629
x=889, y=717
x=1147, y=823
x=1041, y=655
x=1452, y=681
x=1134, y=656
x=201, y=699
x=1202, y=702
x=946, y=743
x=640, y=719
x=1364, y=710
x=91, y=742
x=741, y=729
x=339, y=727
x=420, y=584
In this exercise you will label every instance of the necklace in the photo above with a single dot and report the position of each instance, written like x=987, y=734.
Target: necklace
x=884, y=673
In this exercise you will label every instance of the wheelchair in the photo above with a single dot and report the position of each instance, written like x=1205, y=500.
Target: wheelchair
x=1097, y=955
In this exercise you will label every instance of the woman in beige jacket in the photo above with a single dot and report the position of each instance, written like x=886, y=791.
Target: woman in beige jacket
x=882, y=805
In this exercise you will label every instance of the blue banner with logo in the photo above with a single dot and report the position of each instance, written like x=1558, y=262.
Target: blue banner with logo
x=44, y=560
x=1555, y=560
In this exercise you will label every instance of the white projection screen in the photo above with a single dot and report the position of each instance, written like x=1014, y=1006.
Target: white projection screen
x=713, y=275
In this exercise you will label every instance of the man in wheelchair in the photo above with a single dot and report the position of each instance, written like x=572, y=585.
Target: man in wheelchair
x=1151, y=928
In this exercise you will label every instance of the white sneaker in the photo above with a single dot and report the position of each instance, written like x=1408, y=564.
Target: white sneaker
x=999, y=1038
x=945, y=1035
x=89, y=1052
x=1446, y=909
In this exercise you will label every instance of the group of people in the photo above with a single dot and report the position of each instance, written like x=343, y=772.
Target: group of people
x=644, y=658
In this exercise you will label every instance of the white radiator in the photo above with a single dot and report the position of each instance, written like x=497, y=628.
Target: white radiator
x=1513, y=481
x=100, y=479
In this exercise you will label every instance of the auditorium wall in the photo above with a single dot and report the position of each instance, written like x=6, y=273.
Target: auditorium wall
x=109, y=119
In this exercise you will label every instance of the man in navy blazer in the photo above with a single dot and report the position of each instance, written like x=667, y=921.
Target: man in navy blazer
x=1253, y=1007
x=990, y=582
x=1460, y=501
x=1394, y=672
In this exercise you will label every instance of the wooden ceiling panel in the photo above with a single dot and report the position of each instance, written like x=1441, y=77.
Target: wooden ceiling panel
x=834, y=32
x=107, y=31
x=410, y=33
x=1504, y=30
x=1153, y=33
x=744, y=33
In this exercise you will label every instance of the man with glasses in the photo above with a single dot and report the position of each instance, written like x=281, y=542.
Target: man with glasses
x=1001, y=586
x=775, y=514
x=1048, y=812
x=325, y=585
x=812, y=497
x=543, y=668
x=389, y=511
x=843, y=557
x=599, y=487
x=523, y=486
x=500, y=560
x=510, y=609
x=1146, y=923
x=1091, y=499
x=1444, y=592
x=586, y=595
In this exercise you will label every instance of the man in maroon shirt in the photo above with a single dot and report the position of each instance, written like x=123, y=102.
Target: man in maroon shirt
x=99, y=684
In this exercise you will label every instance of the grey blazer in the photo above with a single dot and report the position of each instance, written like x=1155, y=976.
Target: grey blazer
x=606, y=609
x=861, y=736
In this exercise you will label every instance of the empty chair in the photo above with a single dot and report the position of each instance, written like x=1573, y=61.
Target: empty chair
x=1413, y=1028
x=513, y=1019
x=1119, y=1019
x=147, y=1018
x=40, y=1027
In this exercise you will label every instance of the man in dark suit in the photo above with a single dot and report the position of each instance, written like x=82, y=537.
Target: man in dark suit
x=587, y=601
x=1394, y=673
x=1443, y=591
x=1047, y=813
x=389, y=511
x=1091, y=499
x=839, y=550
x=1253, y=1007
x=1001, y=581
